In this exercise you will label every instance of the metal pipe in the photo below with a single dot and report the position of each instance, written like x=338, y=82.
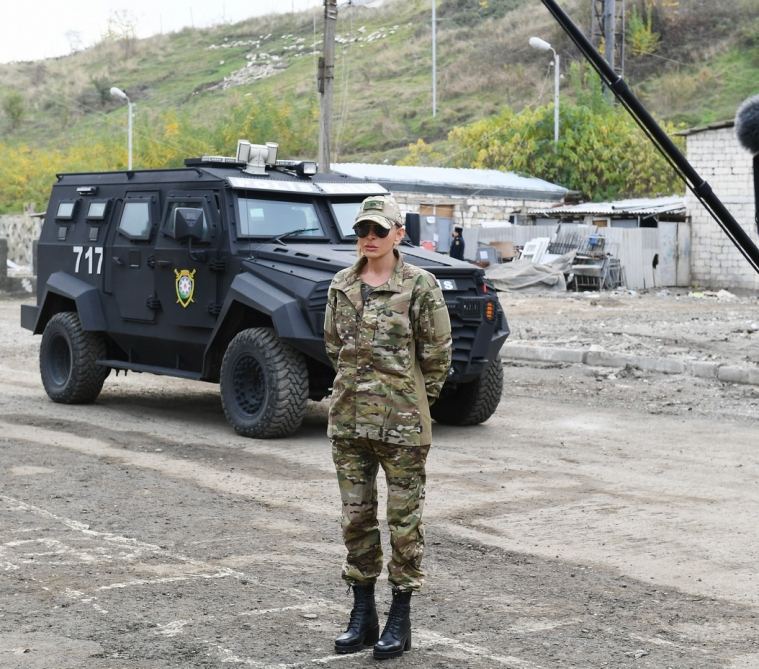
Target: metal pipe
x=129, y=132
x=556, y=78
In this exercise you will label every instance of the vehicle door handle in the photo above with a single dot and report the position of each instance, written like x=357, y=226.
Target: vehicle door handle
x=164, y=263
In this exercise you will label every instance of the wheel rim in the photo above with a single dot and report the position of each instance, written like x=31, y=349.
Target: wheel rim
x=60, y=361
x=249, y=383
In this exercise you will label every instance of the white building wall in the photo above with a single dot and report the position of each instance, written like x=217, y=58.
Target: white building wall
x=470, y=212
x=719, y=159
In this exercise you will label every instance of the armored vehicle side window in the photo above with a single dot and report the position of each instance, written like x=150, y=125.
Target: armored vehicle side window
x=66, y=211
x=188, y=209
x=345, y=213
x=97, y=210
x=268, y=218
x=135, y=220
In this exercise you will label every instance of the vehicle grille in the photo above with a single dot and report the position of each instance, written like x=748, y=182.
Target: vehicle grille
x=463, y=339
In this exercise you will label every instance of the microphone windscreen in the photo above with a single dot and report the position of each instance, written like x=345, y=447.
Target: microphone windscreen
x=747, y=124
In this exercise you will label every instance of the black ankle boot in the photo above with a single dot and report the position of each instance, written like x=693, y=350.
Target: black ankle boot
x=363, y=627
x=396, y=637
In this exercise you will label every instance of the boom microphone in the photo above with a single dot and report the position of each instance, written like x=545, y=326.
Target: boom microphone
x=747, y=130
x=747, y=124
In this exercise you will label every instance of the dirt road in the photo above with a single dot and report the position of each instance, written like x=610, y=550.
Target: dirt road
x=592, y=522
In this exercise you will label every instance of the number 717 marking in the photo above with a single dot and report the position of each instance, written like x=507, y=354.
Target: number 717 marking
x=89, y=255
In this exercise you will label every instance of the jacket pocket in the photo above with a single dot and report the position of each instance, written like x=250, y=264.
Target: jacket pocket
x=346, y=320
x=391, y=350
x=391, y=359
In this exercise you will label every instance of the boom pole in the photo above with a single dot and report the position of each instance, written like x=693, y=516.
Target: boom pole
x=700, y=188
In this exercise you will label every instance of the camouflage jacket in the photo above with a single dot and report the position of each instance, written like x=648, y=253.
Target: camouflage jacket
x=391, y=354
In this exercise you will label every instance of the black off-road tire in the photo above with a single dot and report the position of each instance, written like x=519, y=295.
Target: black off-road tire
x=264, y=385
x=471, y=403
x=67, y=360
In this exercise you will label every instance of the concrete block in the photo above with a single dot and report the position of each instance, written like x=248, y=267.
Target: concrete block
x=660, y=365
x=739, y=374
x=542, y=353
x=601, y=358
x=703, y=370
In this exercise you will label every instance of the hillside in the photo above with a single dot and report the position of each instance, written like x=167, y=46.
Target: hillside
x=197, y=90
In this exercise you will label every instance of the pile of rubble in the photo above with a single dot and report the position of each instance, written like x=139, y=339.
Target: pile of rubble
x=573, y=259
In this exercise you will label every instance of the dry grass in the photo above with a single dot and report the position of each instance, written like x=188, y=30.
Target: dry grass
x=482, y=66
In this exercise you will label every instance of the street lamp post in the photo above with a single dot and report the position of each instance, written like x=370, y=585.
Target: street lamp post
x=542, y=45
x=118, y=93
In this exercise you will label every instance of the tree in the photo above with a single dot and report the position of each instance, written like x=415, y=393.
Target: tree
x=122, y=28
x=601, y=152
x=641, y=37
x=14, y=107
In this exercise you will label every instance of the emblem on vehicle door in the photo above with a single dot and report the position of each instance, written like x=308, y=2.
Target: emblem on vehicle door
x=185, y=284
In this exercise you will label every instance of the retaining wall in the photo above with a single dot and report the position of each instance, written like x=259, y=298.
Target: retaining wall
x=21, y=231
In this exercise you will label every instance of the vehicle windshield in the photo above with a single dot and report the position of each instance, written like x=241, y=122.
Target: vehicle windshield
x=272, y=218
x=345, y=213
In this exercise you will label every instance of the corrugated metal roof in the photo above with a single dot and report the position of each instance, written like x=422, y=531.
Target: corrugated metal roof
x=719, y=125
x=462, y=179
x=635, y=207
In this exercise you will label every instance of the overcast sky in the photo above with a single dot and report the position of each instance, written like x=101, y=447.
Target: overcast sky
x=44, y=28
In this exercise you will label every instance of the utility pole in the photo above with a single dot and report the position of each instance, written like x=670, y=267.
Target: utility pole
x=609, y=31
x=434, y=59
x=607, y=26
x=326, y=78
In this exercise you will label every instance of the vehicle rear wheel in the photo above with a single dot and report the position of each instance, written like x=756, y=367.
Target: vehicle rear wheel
x=264, y=385
x=68, y=356
x=471, y=403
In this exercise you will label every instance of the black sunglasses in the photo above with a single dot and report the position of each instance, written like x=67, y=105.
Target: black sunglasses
x=363, y=228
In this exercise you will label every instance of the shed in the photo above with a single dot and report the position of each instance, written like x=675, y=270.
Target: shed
x=630, y=213
x=447, y=196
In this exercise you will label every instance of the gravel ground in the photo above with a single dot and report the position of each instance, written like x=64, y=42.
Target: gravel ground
x=688, y=325
x=601, y=518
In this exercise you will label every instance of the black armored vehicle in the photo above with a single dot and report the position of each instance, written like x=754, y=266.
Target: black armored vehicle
x=218, y=272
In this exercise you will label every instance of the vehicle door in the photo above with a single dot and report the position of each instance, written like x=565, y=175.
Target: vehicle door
x=189, y=267
x=129, y=263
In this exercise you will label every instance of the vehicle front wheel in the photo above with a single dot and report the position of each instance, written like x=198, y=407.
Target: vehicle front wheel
x=68, y=356
x=471, y=403
x=264, y=385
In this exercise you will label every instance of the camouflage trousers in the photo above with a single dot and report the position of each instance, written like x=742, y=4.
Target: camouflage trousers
x=357, y=462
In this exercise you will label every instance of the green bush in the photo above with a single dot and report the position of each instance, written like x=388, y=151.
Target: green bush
x=14, y=108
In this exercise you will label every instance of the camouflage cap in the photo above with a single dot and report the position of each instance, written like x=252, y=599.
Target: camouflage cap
x=380, y=209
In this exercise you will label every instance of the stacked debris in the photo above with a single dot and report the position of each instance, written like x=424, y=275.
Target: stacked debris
x=524, y=274
x=574, y=257
x=594, y=269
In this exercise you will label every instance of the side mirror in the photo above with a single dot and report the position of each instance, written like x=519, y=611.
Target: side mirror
x=412, y=228
x=189, y=223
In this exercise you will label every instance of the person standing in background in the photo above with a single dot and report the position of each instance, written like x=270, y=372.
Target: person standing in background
x=457, y=245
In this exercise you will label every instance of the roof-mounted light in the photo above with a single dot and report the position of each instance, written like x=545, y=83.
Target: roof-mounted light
x=304, y=168
x=307, y=168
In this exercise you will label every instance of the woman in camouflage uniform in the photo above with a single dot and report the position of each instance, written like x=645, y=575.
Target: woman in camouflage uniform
x=388, y=335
